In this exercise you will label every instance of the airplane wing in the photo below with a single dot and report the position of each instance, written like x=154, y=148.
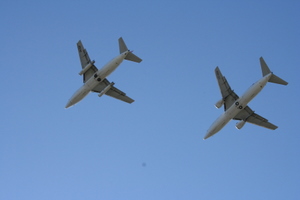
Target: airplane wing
x=248, y=115
x=228, y=95
x=85, y=60
x=113, y=91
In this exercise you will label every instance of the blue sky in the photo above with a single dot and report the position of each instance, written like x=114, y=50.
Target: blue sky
x=103, y=148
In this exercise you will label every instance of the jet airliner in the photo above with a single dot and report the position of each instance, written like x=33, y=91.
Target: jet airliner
x=236, y=107
x=95, y=80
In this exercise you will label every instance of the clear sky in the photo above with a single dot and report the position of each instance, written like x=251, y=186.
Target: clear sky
x=106, y=149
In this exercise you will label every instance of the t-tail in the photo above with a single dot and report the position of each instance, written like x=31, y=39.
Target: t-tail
x=265, y=71
x=130, y=56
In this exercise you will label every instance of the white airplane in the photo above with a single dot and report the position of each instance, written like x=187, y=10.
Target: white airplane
x=95, y=80
x=236, y=107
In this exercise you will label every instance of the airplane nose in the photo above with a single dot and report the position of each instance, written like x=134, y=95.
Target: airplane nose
x=209, y=133
x=69, y=104
x=206, y=136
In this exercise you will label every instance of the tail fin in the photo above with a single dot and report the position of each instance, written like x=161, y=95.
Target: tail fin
x=264, y=67
x=122, y=45
x=265, y=71
x=130, y=56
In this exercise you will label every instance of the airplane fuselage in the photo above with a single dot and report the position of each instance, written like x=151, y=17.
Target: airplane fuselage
x=99, y=76
x=237, y=106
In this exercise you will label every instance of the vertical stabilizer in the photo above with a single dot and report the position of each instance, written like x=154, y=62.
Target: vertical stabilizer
x=264, y=67
x=122, y=45
x=265, y=71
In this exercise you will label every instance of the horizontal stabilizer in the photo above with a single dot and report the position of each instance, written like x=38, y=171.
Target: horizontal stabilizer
x=130, y=56
x=276, y=79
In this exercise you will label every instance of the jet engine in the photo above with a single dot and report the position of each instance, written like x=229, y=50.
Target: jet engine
x=219, y=104
x=87, y=67
x=240, y=124
x=106, y=89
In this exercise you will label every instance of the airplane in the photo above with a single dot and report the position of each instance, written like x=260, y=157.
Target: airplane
x=95, y=80
x=236, y=108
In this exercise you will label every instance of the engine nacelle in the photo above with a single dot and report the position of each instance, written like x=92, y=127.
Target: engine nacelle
x=87, y=67
x=240, y=124
x=219, y=104
x=106, y=89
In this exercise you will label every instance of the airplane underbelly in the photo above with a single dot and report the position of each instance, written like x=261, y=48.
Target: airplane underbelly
x=79, y=95
x=108, y=71
x=232, y=112
x=83, y=94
